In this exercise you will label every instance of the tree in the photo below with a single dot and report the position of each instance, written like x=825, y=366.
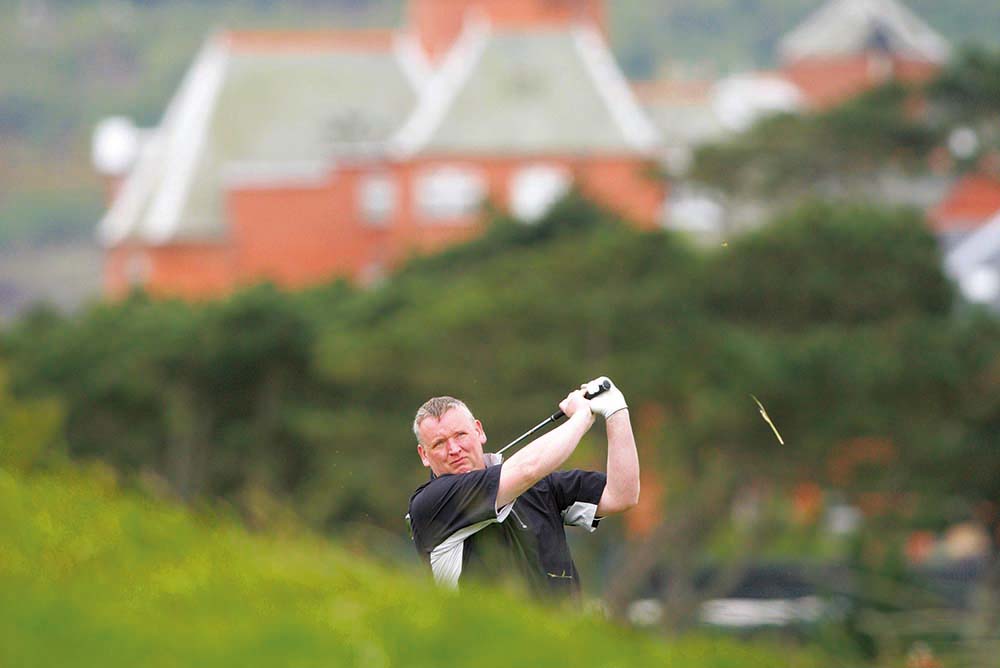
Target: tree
x=838, y=319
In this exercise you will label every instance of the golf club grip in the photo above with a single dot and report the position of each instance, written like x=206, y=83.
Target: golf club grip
x=555, y=417
x=601, y=389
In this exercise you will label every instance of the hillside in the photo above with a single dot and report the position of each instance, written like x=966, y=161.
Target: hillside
x=64, y=66
x=94, y=575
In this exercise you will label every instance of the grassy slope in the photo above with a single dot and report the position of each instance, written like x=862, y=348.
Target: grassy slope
x=92, y=575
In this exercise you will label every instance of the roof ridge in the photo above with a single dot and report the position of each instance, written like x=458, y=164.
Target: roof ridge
x=440, y=91
x=412, y=60
x=123, y=217
x=123, y=213
x=185, y=135
x=916, y=34
x=612, y=87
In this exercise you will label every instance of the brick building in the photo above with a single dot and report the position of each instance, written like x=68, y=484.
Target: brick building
x=296, y=157
x=850, y=46
x=967, y=225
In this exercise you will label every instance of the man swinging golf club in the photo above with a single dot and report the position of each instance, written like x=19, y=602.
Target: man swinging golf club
x=486, y=519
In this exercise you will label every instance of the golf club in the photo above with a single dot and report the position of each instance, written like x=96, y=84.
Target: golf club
x=555, y=417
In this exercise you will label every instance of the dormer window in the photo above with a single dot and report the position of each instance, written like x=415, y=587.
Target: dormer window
x=534, y=189
x=449, y=193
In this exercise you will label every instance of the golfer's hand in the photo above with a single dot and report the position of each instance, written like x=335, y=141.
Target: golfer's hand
x=608, y=402
x=575, y=403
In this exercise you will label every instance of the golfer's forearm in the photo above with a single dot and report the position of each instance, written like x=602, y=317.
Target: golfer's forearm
x=541, y=457
x=622, y=489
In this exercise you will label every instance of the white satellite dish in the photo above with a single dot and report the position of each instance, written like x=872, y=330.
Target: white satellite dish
x=114, y=145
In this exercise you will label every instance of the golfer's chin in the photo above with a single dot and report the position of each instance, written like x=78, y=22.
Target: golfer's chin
x=463, y=466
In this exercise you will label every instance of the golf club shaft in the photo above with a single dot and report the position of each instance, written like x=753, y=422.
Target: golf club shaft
x=555, y=417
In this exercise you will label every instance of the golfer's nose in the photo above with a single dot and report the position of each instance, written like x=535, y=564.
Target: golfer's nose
x=453, y=446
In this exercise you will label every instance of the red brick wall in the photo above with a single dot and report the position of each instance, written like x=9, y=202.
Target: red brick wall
x=621, y=183
x=626, y=186
x=970, y=203
x=916, y=71
x=190, y=271
x=828, y=82
x=300, y=236
x=411, y=234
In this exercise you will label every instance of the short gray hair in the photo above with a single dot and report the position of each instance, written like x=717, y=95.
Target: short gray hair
x=435, y=407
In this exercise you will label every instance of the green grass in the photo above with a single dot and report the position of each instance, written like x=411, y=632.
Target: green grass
x=94, y=575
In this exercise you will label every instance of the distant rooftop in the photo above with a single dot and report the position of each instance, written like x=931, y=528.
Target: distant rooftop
x=258, y=106
x=971, y=202
x=284, y=108
x=534, y=91
x=842, y=27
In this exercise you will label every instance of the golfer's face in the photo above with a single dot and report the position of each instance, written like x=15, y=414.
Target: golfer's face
x=453, y=443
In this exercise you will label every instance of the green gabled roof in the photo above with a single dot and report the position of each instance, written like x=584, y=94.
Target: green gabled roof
x=288, y=107
x=273, y=116
x=530, y=92
x=252, y=116
x=297, y=110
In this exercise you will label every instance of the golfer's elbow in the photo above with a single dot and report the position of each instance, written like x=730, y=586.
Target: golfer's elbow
x=618, y=501
x=625, y=487
x=630, y=499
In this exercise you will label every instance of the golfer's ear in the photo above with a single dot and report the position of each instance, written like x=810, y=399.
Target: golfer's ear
x=423, y=457
x=482, y=434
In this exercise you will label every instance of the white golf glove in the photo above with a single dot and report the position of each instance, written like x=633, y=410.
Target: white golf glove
x=606, y=403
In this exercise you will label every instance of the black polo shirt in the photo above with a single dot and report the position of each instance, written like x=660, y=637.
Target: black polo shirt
x=459, y=531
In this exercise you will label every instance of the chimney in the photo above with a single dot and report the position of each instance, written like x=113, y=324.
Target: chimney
x=438, y=23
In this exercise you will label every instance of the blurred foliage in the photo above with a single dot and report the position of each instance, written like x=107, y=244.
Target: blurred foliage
x=897, y=128
x=791, y=155
x=972, y=86
x=28, y=429
x=94, y=575
x=865, y=266
x=838, y=319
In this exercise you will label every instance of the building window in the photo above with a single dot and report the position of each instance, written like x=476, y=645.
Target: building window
x=534, y=189
x=377, y=197
x=446, y=193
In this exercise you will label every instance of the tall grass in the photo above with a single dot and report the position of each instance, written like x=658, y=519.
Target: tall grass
x=94, y=575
